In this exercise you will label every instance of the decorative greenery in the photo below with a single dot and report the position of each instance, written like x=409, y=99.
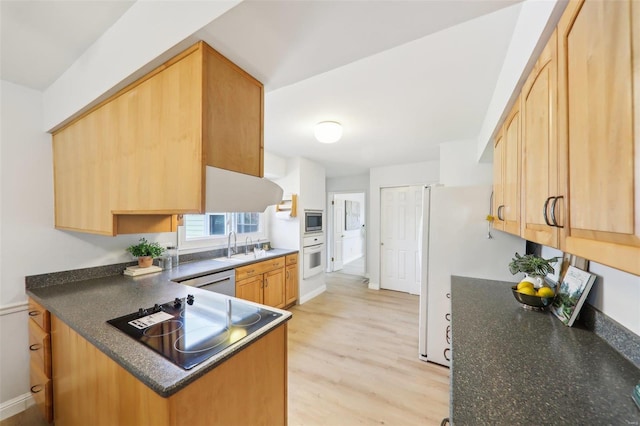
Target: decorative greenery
x=532, y=265
x=145, y=248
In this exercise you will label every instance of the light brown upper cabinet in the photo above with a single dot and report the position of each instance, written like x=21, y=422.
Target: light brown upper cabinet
x=542, y=202
x=133, y=162
x=506, y=167
x=599, y=130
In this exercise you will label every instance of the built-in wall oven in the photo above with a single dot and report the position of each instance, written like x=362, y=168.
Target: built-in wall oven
x=313, y=221
x=313, y=255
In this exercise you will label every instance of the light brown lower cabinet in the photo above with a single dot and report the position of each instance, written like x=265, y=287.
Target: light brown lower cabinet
x=40, y=359
x=250, y=388
x=291, y=280
x=273, y=282
x=250, y=289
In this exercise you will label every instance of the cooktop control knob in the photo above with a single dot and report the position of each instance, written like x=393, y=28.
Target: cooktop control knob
x=142, y=312
x=156, y=308
x=177, y=302
x=190, y=299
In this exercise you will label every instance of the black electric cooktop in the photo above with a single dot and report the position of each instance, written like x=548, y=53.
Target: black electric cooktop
x=188, y=332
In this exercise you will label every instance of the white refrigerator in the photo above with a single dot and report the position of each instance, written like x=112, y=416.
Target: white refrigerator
x=455, y=241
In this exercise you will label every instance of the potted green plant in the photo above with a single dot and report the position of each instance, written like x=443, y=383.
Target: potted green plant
x=145, y=252
x=534, y=267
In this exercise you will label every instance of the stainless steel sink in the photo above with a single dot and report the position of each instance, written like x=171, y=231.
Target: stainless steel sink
x=236, y=258
x=230, y=259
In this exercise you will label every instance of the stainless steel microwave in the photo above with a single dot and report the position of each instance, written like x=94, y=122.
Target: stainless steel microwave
x=313, y=221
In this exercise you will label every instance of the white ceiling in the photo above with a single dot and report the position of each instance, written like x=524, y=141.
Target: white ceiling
x=39, y=40
x=402, y=76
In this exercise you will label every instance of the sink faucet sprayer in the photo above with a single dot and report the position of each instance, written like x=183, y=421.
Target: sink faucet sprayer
x=235, y=244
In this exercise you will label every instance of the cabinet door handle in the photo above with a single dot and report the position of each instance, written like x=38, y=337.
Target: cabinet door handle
x=35, y=347
x=34, y=313
x=287, y=275
x=266, y=283
x=500, y=217
x=36, y=388
x=553, y=211
x=544, y=211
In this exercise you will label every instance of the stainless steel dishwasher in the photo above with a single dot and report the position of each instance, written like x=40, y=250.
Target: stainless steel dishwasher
x=220, y=282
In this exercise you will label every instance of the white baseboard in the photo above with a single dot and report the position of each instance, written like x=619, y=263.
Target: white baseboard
x=306, y=297
x=374, y=286
x=16, y=405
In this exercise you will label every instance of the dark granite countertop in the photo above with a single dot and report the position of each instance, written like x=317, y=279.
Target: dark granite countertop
x=513, y=366
x=86, y=305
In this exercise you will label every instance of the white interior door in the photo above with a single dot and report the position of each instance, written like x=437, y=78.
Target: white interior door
x=400, y=215
x=338, y=226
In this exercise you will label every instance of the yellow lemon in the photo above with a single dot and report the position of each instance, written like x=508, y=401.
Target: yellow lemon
x=527, y=290
x=523, y=284
x=545, y=292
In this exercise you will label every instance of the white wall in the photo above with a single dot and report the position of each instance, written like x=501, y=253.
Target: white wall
x=148, y=34
x=535, y=24
x=615, y=293
x=307, y=179
x=312, y=196
x=384, y=177
x=460, y=167
x=30, y=245
x=358, y=183
x=312, y=185
x=287, y=233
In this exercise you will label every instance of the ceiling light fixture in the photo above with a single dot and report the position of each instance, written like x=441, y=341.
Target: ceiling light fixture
x=328, y=131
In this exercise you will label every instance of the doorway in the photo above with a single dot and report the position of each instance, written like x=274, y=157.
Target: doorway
x=347, y=233
x=400, y=217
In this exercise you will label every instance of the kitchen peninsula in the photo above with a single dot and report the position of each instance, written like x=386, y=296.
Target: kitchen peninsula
x=101, y=374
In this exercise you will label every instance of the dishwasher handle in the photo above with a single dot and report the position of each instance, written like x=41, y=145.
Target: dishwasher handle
x=210, y=282
x=221, y=282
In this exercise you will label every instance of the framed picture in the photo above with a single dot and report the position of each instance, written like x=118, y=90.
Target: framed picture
x=571, y=294
x=351, y=215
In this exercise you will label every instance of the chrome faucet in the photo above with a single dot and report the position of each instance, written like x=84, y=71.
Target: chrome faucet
x=235, y=244
x=248, y=242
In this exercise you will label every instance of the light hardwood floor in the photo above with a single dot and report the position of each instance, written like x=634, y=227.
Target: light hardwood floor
x=353, y=360
x=355, y=267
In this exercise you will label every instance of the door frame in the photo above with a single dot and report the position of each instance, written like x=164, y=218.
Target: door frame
x=330, y=227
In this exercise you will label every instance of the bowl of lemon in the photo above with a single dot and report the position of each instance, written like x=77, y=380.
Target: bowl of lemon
x=531, y=297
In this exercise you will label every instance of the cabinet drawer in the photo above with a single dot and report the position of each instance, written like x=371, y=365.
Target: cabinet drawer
x=292, y=259
x=259, y=268
x=40, y=348
x=271, y=264
x=248, y=271
x=39, y=315
x=41, y=390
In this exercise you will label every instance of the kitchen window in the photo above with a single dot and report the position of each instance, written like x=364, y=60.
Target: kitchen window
x=212, y=229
